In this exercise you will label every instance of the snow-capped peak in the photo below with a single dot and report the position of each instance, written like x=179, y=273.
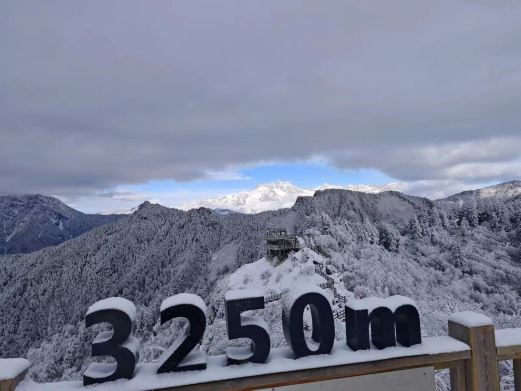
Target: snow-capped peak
x=276, y=195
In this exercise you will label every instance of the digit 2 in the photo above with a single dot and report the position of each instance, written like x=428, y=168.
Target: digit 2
x=178, y=358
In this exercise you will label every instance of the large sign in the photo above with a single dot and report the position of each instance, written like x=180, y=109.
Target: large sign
x=369, y=322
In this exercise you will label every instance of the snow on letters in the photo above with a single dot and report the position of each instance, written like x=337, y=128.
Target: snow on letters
x=114, y=303
x=391, y=302
x=184, y=298
x=237, y=294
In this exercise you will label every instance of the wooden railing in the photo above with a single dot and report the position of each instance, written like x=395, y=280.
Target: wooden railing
x=282, y=246
x=471, y=351
x=508, y=347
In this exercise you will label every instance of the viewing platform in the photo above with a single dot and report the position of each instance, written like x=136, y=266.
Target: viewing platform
x=279, y=244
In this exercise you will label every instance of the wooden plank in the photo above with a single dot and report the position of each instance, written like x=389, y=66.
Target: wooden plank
x=416, y=379
x=457, y=377
x=481, y=371
x=517, y=374
x=328, y=373
x=451, y=364
x=509, y=352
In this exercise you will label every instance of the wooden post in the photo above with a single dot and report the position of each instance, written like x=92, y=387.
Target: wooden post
x=12, y=372
x=457, y=377
x=517, y=373
x=477, y=331
x=10, y=384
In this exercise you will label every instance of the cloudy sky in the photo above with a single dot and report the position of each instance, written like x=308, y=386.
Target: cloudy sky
x=105, y=103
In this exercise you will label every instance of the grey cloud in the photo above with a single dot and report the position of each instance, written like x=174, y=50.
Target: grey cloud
x=466, y=162
x=99, y=93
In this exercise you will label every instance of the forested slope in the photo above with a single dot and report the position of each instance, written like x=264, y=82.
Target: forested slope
x=32, y=222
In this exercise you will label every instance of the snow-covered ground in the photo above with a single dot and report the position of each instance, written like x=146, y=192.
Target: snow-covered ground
x=274, y=277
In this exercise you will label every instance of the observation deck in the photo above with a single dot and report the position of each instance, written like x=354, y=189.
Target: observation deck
x=279, y=244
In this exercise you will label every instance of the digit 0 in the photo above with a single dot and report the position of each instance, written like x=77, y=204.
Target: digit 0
x=323, y=323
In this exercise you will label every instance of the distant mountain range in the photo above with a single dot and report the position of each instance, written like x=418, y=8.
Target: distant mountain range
x=31, y=222
x=455, y=254
x=281, y=194
x=276, y=195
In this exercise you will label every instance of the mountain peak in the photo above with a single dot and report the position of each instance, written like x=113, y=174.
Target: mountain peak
x=34, y=221
x=276, y=195
x=144, y=204
x=147, y=208
x=30, y=201
x=502, y=190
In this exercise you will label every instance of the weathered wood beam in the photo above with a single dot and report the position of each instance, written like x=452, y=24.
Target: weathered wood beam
x=438, y=361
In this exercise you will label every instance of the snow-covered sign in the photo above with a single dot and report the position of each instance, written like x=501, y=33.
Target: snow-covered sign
x=392, y=320
x=119, y=343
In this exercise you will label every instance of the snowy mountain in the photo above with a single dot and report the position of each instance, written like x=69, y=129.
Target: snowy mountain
x=32, y=222
x=446, y=256
x=501, y=191
x=277, y=195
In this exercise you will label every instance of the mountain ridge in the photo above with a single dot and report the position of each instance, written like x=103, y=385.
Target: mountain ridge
x=31, y=222
x=502, y=190
x=276, y=195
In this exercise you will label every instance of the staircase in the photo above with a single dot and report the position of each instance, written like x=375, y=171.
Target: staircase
x=329, y=284
x=272, y=298
x=325, y=273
